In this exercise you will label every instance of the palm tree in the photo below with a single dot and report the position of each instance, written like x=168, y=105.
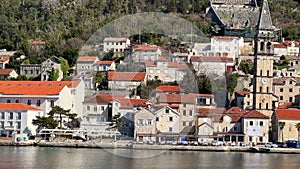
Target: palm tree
x=281, y=126
x=298, y=129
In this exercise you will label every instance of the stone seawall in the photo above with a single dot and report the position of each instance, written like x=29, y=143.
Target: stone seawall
x=118, y=145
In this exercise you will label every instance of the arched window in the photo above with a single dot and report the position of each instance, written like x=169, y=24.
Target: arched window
x=262, y=46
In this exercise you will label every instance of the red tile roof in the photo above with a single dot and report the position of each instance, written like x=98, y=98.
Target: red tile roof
x=162, y=59
x=87, y=59
x=104, y=98
x=242, y=93
x=115, y=39
x=181, y=98
x=131, y=103
x=150, y=64
x=284, y=106
x=288, y=114
x=104, y=62
x=16, y=106
x=38, y=42
x=5, y=71
x=225, y=37
x=255, y=114
x=126, y=76
x=35, y=87
x=235, y=110
x=279, y=46
x=282, y=80
x=211, y=59
x=168, y=88
x=146, y=47
x=4, y=59
x=289, y=43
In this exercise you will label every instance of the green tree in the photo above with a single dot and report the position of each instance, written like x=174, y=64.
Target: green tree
x=246, y=67
x=56, y=110
x=109, y=55
x=145, y=90
x=231, y=81
x=116, y=122
x=54, y=74
x=281, y=127
x=44, y=122
x=204, y=84
x=64, y=67
x=298, y=129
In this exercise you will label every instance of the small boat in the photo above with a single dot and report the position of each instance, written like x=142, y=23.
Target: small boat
x=254, y=149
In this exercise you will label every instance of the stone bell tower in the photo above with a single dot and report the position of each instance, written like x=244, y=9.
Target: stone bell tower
x=263, y=63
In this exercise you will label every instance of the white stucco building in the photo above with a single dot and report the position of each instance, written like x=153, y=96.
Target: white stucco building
x=115, y=44
x=44, y=94
x=17, y=117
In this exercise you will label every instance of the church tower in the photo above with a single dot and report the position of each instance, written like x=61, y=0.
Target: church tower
x=263, y=63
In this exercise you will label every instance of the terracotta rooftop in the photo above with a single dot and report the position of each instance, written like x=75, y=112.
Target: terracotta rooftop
x=282, y=80
x=115, y=39
x=38, y=42
x=126, y=76
x=16, y=106
x=129, y=103
x=168, y=88
x=242, y=93
x=210, y=59
x=225, y=37
x=146, y=47
x=288, y=114
x=255, y=114
x=104, y=98
x=4, y=59
x=34, y=87
x=104, y=62
x=5, y=71
x=181, y=98
x=87, y=59
x=150, y=64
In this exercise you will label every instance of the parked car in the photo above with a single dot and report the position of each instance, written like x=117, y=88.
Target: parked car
x=281, y=144
x=271, y=145
x=217, y=143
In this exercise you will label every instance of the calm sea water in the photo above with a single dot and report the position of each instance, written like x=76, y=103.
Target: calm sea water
x=37, y=157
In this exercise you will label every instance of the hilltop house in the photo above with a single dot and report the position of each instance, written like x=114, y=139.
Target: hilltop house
x=8, y=73
x=165, y=71
x=287, y=48
x=212, y=65
x=143, y=53
x=85, y=64
x=115, y=44
x=125, y=80
x=42, y=70
x=4, y=60
x=104, y=65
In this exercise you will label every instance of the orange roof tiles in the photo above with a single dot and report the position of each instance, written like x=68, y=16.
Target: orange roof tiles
x=211, y=59
x=126, y=76
x=181, y=98
x=4, y=59
x=104, y=98
x=279, y=46
x=225, y=37
x=150, y=64
x=255, y=114
x=242, y=93
x=35, y=87
x=5, y=71
x=87, y=59
x=115, y=39
x=287, y=43
x=162, y=59
x=38, y=42
x=168, y=88
x=131, y=103
x=288, y=114
x=104, y=62
x=146, y=47
x=16, y=106
x=284, y=106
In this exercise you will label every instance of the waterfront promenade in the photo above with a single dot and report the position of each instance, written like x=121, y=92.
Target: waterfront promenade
x=109, y=144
